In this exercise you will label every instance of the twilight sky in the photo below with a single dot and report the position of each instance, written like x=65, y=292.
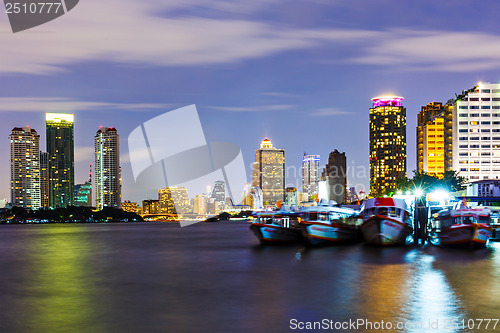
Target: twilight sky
x=299, y=72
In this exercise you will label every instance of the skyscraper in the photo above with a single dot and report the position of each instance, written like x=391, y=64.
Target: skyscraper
x=219, y=191
x=269, y=172
x=107, y=168
x=336, y=176
x=25, y=168
x=44, y=179
x=476, y=132
x=60, y=147
x=387, y=144
x=310, y=174
x=434, y=138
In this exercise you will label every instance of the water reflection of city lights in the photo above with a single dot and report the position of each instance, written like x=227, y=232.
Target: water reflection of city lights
x=433, y=298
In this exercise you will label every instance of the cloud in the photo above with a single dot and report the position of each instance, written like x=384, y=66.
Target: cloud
x=324, y=112
x=61, y=104
x=149, y=32
x=435, y=50
x=181, y=33
x=83, y=154
x=279, y=94
x=259, y=108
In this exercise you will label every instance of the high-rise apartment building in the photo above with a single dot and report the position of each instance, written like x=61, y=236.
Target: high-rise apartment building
x=25, y=168
x=269, y=172
x=44, y=179
x=107, y=168
x=387, y=143
x=476, y=132
x=434, y=138
x=60, y=146
x=174, y=200
x=310, y=174
x=335, y=174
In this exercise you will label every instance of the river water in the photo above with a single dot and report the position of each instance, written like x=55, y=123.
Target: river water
x=214, y=277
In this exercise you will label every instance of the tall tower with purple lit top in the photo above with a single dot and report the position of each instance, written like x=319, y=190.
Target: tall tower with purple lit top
x=387, y=144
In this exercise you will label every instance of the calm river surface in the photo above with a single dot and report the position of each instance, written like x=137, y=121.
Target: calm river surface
x=214, y=277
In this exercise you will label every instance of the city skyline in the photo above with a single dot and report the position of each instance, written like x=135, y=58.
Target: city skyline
x=253, y=69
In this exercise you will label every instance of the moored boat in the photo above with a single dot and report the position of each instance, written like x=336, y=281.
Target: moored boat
x=467, y=227
x=276, y=227
x=386, y=221
x=329, y=224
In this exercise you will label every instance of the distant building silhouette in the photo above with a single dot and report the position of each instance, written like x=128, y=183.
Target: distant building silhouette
x=336, y=176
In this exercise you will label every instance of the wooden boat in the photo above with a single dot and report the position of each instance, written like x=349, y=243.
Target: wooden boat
x=276, y=227
x=467, y=227
x=329, y=224
x=386, y=221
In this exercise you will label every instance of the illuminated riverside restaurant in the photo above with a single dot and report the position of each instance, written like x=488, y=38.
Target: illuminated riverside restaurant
x=387, y=143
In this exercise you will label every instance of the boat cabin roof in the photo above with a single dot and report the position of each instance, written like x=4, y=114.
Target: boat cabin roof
x=384, y=202
x=328, y=209
x=278, y=213
x=465, y=212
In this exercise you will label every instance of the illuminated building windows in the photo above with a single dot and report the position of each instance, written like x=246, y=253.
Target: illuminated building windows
x=387, y=143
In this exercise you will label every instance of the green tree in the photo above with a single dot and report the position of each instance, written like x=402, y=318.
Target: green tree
x=451, y=181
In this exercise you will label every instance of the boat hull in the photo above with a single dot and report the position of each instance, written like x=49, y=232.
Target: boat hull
x=272, y=234
x=383, y=231
x=473, y=235
x=323, y=234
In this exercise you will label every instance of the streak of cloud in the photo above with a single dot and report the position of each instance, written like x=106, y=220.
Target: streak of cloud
x=60, y=104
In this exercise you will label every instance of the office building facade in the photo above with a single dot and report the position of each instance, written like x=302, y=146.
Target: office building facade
x=174, y=200
x=387, y=144
x=476, y=133
x=435, y=139
x=150, y=206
